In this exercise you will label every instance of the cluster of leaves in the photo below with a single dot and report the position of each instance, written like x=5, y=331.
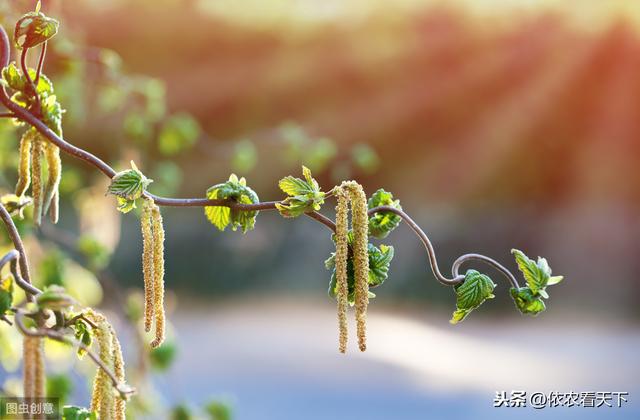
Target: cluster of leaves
x=42, y=99
x=383, y=222
x=234, y=190
x=128, y=186
x=528, y=299
x=304, y=195
x=477, y=287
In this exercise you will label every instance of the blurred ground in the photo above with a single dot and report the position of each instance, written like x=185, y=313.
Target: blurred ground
x=279, y=359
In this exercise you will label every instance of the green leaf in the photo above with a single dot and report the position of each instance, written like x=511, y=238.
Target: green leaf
x=554, y=280
x=304, y=195
x=72, y=412
x=83, y=334
x=15, y=205
x=124, y=205
x=383, y=222
x=129, y=184
x=527, y=301
x=6, y=294
x=379, y=262
x=34, y=28
x=538, y=277
x=471, y=293
x=13, y=77
x=536, y=274
x=234, y=190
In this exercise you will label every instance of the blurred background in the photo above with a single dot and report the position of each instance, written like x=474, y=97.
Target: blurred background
x=497, y=123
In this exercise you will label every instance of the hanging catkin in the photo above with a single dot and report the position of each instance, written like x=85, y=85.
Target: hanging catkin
x=352, y=192
x=36, y=179
x=24, y=166
x=342, y=228
x=360, y=226
x=158, y=274
x=153, y=269
x=33, y=147
x=104, y=400
x=147, y=262
x=118, y=370
x=29, y=350
x=54, y=169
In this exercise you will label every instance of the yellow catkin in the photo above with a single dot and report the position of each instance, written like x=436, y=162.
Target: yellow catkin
x=342, y=228
x=36, y=179
x=54, y=169
x=28, y=366
x=147, y=262
x=360, y=226
x=24, y=166
x=118, y=370
x=158, y=274
x=39, y=373
x=54, y=209
x=103, y=396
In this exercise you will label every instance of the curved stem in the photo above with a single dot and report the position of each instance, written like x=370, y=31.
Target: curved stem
x=8, y=257
x=12, y=231
x=25, y=71
x=28, y=117
x=12, y=257
x=490, y=261
x=43, y=53
x=425, y=241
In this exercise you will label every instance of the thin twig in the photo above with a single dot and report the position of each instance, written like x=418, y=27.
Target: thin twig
x=122, y=388
x=82, y=154
x=43, y=53
x=25, y=71
x=12, y=231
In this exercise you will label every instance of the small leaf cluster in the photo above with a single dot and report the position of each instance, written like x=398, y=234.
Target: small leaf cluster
x=72, y=412
x=383, y=222
x=237, y=191
x=528, y=299
x=44, y=96
x=304, y=195
x=128, y=186
x=471, y=293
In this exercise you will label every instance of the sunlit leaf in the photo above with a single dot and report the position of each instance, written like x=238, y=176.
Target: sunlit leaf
x=304, y=195
x=129, y=184
x=471, y=293
x=34, y=28
x=382, y=223
x=237, y=191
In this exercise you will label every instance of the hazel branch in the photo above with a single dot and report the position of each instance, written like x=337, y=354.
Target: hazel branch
x=123, y=389
x=25, y=115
